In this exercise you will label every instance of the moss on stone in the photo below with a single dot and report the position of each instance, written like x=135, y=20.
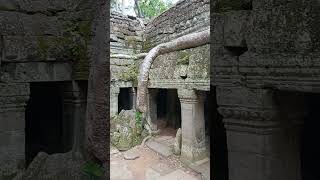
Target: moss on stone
x=77, y=36
x=147, y=45
x=183, y=58
x=228, y=5
x=131, y=42
x=131, y=74
x=125, y=131
x=43, y=47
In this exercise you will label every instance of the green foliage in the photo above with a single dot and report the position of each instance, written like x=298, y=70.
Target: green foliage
x=114, y=4
x=131, y=74
x=138, y=118
x=152, y=8
x=93, y=170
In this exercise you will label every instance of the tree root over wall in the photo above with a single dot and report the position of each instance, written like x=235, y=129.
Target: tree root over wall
x=188, y=41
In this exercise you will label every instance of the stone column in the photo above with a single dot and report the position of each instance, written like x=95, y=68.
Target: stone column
x=262, y=145
x=114, y=98
x=193, y=126
x=132, y=94
x=13, y=98
x=151, y=114
x=74, y=115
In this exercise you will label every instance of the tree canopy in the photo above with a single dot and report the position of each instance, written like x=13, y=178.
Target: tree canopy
x=144, y=8
x=151, y=8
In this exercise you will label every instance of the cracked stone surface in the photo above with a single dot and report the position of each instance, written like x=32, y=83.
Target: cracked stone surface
x=151, y=165
x=131, y=154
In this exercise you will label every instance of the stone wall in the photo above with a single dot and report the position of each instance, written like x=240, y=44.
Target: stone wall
x=45, y=31
x=279, y=43
x=126, y=41
x=39, y=41
x=185, y=17
x=181, y=69
x=184, y=68
x=126, y=34
x=188, y=68
x=257, y=49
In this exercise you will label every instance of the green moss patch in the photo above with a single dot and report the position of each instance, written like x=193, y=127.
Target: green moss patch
x=183, y=58
x=131, y=74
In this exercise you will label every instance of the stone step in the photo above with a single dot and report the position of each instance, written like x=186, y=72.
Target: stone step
x=131, y=154
x=178, y=175
x=202, y=167
x=159, y=148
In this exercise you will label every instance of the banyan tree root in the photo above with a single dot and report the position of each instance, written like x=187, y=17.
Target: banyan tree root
x=187, y=41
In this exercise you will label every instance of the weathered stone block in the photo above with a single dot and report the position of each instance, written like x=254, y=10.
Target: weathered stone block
x=8, y=5
x=240, y=96
x=11, y=119
x=216, y=33
x=285, y=4
x=11, y=23
x=33, y=48
x=37, y=71
x=11, y=152
x=234, y=28
x=12, y=89
x=199, y=63
x=280, y=31
x=39, y=24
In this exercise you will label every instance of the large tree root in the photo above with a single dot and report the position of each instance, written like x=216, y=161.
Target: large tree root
x=184, y=42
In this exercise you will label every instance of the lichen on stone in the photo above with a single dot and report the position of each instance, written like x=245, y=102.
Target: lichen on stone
x=126, y=130
x=183, y=58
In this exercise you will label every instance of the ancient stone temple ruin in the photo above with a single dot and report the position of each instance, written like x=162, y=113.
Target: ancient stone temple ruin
x=43, y=80
x=250, y=96
x=179, y=86
x=265, y=71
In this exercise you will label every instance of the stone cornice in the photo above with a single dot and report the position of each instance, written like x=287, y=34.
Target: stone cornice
x=248, y=114
x=199, y=84
x=190, y=96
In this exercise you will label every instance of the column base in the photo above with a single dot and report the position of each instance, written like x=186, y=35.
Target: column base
x=191, y=155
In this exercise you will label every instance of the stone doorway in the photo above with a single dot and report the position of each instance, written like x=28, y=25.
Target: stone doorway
x=168, y=109
x=218, y=144
x=310, y=132
x=44, y=120
x=125, y=99
x=299, y=118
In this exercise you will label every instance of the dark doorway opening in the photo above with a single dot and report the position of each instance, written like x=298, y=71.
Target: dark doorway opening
x=125, y=99
x=44, y=120
x=218, y=137
x=310, y=132
x=301, y=110
x=168, y=109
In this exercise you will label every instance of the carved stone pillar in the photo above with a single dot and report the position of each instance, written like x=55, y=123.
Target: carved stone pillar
x=74, y=114
x=262, y=144
x=133, y=98
x=151, y=114
x=193, y=126
x=114, y=98
x=13, y=98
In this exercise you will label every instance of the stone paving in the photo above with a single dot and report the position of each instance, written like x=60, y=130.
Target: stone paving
x=154, y=161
